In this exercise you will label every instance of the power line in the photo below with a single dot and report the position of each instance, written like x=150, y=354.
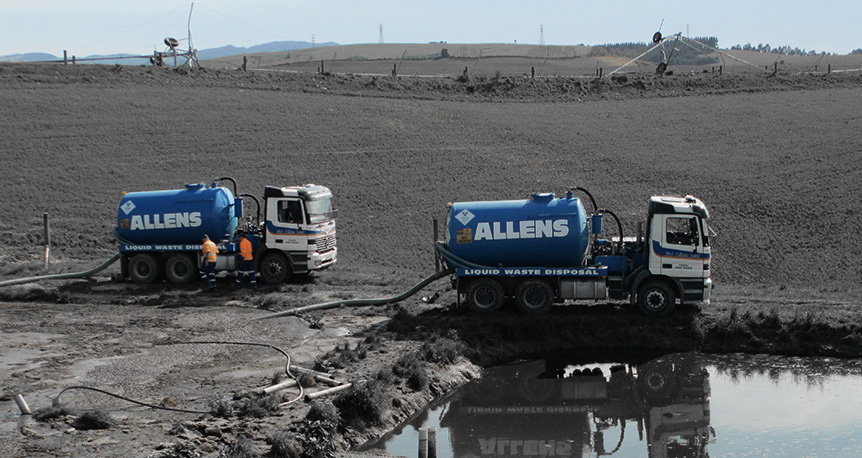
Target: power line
x=381, y=34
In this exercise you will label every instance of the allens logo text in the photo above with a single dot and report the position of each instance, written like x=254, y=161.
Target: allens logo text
x=530, y=229
x=166, y=221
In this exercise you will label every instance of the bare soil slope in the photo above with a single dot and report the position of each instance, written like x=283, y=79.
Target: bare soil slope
x=775, y=159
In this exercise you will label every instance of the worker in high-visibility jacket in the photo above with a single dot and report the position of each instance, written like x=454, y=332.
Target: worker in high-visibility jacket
x=208, y=261
x=246, y=261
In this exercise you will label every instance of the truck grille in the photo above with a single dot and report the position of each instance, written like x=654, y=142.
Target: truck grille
x=325, y=244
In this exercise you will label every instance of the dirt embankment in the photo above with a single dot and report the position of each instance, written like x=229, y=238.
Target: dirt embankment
x=773, y=158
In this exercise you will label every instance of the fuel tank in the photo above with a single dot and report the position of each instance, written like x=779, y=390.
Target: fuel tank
x=179, y=216
x=544, y=231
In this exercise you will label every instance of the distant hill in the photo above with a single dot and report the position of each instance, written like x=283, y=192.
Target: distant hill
x=29, y=57
x=211, y=53
x=275, y=46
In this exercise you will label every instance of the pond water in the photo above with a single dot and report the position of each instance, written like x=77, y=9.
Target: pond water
x=680, y=405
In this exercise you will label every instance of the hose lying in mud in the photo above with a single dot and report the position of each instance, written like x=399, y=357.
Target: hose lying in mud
x=227, y=342
x=19, y=281
x=360, y=302
x=56, y=402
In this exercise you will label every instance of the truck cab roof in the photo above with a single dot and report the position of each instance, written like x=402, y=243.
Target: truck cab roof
x=309, y=191
x=682, y=205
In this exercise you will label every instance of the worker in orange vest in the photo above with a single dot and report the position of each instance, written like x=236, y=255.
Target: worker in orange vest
x=246, y=262
x=208, y=261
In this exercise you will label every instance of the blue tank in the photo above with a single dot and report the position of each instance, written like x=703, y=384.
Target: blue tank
x=541, y=232
x=180, y=216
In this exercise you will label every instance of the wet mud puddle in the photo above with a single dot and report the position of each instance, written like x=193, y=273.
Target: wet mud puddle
x=681, y=405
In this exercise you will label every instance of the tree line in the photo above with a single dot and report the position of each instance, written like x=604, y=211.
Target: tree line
x=784, y=50
x=691, y=53
x=685, y=52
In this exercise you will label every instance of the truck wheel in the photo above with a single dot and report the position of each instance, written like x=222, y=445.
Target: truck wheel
x=484, y=295
x=656, y=298
x=144, y=268
x=181, y=269
x=534, y=296
x=274, y=268
x=657, y=383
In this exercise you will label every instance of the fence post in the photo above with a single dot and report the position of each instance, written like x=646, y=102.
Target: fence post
x=423, y=442
x=532, y=72
x=47, y=237
x=394, y=69
x=244, y=63
x=322, y=67
x=73, y=60
x=65, y=57
x=436, y=255
x=829, y=68
x=432, y=442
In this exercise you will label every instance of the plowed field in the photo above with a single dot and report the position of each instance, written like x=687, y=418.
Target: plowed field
x=777, y=161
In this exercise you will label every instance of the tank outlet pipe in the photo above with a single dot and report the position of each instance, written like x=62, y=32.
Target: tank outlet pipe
x=619, y=226
x=228, y=179
x=359, y=302
x=256, y=201
x=319, y=394
x=578, y=188
x=20, y=281
x=22, y=404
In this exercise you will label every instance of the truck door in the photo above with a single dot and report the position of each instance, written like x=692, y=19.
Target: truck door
x=677, y=247
x=285, y=219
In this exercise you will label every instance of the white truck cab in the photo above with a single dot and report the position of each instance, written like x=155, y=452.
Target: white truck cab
x=677, y=252
x=299, y=231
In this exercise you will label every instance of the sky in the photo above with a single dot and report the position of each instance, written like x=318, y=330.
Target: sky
x=87, y=27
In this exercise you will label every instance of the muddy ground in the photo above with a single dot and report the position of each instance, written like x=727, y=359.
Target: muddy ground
x=776, y=160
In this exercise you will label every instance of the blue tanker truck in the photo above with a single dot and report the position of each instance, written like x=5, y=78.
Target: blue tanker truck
x=160, y=232
x=547, y=250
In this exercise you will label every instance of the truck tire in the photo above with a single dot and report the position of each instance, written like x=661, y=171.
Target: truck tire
x=180, y=268
x=657, y=383
x=144, y=268
x=274, y=268
x=534, y=296
x=484, y=295
x=656, y=298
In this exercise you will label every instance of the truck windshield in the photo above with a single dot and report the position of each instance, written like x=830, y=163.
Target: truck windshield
x=319, y=210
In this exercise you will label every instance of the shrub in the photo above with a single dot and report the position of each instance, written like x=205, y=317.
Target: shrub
x=362, y=404
x=442, y=350
x=94, y=419
x=181, y=450
x=221, y=408
x=257, y=407
x=323, y=412
x=50, y=413
x=283, y=445
x=240, y=448
x=414, y=371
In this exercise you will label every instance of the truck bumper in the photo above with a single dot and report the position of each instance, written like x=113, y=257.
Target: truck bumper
x=322, y=260
x=707, y=290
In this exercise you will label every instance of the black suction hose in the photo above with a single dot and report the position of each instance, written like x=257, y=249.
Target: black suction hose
x=593, y=200
x=88, y=273
x=619, y=226
x=229, y=179
x=360, y=302
x=256, y=201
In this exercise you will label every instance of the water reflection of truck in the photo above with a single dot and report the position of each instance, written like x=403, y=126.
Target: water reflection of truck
x=566, y=411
